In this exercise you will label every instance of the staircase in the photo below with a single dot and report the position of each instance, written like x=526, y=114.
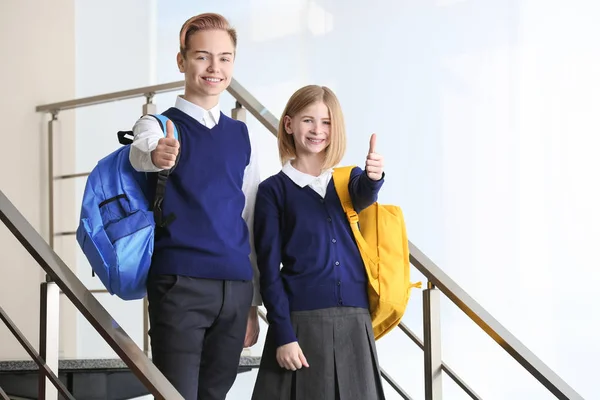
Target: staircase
x=133, y=374
x=85, y=379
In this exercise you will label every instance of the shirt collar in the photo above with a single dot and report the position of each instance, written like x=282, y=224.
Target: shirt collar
x=197, y=112
x=300, y=178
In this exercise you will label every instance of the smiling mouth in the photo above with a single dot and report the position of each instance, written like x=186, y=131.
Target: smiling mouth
x=212, y=80
x=316, y=141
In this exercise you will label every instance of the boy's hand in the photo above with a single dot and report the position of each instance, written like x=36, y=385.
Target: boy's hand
x=253, y=328
x=290, y=356
x=165, y=153
x=374, y=164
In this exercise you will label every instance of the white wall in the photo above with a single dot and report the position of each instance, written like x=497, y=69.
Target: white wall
x=485, y=111
x=114, y=52
x=37, y=44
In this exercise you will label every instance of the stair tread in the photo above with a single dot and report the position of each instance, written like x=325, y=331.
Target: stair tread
x=93, y=364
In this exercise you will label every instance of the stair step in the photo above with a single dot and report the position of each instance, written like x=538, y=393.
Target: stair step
x=86, y=378
x=73, y=365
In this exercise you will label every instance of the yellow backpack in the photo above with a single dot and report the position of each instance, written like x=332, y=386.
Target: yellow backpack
x=383, y=246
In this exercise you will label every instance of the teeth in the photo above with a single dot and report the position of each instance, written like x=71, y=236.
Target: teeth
x=213, y=79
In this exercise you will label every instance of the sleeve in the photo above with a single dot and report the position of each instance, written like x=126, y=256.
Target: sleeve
x=267, y=237
x=250, y=187
x=146, y=133
x=363, y=190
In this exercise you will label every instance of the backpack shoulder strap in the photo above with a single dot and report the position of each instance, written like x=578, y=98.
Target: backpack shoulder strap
x=341, y=180
x=163, y=176
x=162, y=120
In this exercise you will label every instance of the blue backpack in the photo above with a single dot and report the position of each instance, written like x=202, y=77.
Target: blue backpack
x=117, y=222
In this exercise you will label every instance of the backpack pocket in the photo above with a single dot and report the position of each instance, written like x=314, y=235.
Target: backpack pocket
x=121, y=252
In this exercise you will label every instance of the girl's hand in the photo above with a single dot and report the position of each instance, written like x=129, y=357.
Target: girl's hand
x=374, y=164
x=290, y=357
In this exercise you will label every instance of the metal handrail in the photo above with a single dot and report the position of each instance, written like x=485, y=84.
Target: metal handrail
x=449, y=371
x=494, y=329
x=85, y=302
x=3, y=395
x=241, y=95
x=43, y=367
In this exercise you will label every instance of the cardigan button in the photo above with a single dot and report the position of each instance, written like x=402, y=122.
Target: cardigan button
x=333, y=241
x=337, y=263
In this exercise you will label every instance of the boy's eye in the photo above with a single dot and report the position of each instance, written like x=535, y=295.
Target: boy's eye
x=201, y=58
x=225, y=59
x=307, y=120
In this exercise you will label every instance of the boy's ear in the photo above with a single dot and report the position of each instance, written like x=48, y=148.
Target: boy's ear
x=287, y=123
x=180, y=62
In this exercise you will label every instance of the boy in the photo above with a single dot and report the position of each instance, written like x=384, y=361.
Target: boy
x=202, y=302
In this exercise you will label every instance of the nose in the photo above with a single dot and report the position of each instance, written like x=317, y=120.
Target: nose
x=213, y=65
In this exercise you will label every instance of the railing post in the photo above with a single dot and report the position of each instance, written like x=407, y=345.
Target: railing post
x=49, y=292
x=51, y=123
x=146, y=324
x=149, y=107
x=239, y=112
x=432, y=343
x=49, y=336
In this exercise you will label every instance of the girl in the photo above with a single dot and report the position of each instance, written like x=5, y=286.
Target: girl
x=320, y=343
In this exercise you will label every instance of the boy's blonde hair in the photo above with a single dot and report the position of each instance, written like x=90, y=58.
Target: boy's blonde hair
x=301, y=99
x=204, y=22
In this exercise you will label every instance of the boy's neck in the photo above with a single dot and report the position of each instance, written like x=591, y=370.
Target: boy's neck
x=206, y=102
x=311, y=165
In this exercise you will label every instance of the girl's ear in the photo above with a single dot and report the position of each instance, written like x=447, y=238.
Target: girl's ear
x=287, y=122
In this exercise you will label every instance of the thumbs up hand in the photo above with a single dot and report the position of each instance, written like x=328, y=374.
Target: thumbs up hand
x=165, y=153
x=374, y=165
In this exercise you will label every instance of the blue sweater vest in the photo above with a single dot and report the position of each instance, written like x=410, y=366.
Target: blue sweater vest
x=209, y=237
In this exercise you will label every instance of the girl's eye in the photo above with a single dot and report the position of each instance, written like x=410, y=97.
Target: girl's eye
x=327, y=122
x=307, y=120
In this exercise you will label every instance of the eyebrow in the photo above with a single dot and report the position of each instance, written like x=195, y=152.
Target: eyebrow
x=226, y=53
x=310, y=116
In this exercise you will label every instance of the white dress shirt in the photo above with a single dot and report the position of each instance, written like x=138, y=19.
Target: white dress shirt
x=147, y=132
x=317, y=183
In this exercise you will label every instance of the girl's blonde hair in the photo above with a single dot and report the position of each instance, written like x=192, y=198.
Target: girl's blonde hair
x=204, y=22
x=301, y=99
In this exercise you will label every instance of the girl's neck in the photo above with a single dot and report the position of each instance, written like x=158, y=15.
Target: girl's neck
x=311, y=165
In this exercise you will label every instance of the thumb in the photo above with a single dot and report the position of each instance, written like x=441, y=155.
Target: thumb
x=372, y=143
x=303, y=359
x=170, y=129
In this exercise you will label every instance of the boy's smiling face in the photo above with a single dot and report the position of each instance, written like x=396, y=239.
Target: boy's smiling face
x=208, y=66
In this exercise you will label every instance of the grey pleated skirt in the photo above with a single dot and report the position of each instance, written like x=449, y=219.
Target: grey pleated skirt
x=339, y=345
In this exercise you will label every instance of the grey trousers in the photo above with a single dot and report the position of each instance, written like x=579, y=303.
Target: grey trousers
x=197, y=331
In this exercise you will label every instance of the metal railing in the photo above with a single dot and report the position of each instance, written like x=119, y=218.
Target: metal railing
x=86, y=303
x=438, y=282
